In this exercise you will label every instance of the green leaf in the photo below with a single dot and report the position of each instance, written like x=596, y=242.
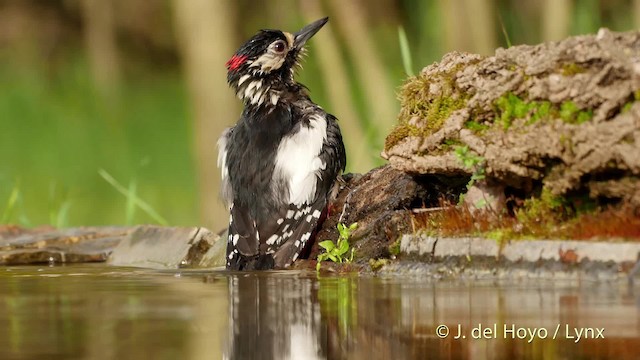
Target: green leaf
x=327, y=245
x=343, y=246
x=353, y=226
x=405, y=52
x=332, y=257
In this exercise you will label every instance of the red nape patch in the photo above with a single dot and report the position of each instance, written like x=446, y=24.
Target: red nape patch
x=236, y=61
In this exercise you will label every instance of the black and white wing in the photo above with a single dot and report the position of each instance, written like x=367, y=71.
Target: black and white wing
x=308, y=161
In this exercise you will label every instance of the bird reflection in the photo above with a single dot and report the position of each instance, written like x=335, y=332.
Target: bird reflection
x=273, y=317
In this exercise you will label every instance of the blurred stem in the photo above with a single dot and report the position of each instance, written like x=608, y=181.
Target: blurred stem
x=207, y=40
x=453, y=14
x=478, y=35
x=405, y=51
x=556, y=19
x=585, y=15
x=381, y=107
x=505, y=34
x=481, y=22
x=101, y=45
x=338, y=91
x=429, y=24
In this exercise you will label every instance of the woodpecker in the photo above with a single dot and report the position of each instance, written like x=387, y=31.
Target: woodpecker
x=281, y=159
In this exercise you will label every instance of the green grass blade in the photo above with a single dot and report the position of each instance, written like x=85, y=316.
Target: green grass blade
x=139, y=202
x=11, y=204
x=505, y=33
x=131, y=204
x=405, y=51
x=62, y=216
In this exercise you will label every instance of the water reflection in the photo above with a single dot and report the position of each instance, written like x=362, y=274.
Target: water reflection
x=94, y=312
x=272, y=315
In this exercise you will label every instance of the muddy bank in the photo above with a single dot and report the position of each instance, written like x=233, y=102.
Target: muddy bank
x=141, y=246
x=435, y=258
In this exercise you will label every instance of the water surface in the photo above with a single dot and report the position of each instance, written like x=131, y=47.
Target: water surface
x=100, y=312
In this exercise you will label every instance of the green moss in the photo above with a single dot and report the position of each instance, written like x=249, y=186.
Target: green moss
x=499, y=235
x=377, y=264
x=570, y=69
x=475, y=126
x=627, y=106
x=452, y=142
x=446, y=146
x=430, y=111
x=542, y=110
x=510, y=107
x=440, y=110
x=546, y=206
x=572, y=114
x=431, y=120
x=400, y=132
x=584, y=116
x=394, y=248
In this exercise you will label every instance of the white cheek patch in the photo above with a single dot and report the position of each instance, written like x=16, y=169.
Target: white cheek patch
x=297, y=161
x=268, y=62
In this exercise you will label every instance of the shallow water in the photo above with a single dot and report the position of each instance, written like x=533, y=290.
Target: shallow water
x=99, y=312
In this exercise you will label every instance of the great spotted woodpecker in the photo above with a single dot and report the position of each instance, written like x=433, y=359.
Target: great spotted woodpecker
x=281, y=159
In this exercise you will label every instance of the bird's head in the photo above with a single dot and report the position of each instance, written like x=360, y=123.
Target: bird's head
x=267, y=62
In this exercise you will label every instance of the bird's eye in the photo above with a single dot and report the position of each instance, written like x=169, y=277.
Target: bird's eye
x=279, y=46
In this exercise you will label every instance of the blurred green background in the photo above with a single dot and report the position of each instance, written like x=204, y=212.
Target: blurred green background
x=110, y=109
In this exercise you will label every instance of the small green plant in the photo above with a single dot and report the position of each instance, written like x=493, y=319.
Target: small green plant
x=470, y=161
x=336, y=251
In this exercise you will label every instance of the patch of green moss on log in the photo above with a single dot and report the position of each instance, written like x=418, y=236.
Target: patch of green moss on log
x=423, y=113
x=510, y=107
x=571, y=69
x=627, y=106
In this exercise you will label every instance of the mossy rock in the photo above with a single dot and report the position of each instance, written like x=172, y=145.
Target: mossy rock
x=560, y=116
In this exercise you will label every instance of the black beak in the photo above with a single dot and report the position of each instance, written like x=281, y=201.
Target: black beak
x=301, y=37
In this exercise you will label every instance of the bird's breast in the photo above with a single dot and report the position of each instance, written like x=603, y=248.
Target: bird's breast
x=297, y=161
